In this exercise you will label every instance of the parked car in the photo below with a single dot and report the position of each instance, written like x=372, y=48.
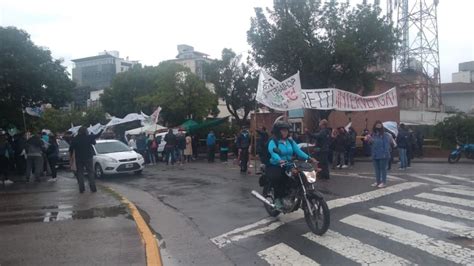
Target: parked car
x=113, y=157
x=63, y=152
x=308, y=148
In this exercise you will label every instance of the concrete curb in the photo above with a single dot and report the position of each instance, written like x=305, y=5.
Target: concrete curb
x=152, y=250
x=431, y=160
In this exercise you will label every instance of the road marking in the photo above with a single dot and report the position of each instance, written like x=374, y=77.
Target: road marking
x=227, y=238
x=434, y=180
x=246, y=231
x=152, y=250
x=452, y=200
x=453, y=228
x=355, y=250
x=221, y=240
x=372, y=194
x=283, y=254
x=367, y=176
x=455, y=191
x=455, y=177
x=439, y=248
x=427, y=206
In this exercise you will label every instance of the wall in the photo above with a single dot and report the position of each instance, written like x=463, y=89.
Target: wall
x=422, y=118
x=463, y=76
x=463, y=102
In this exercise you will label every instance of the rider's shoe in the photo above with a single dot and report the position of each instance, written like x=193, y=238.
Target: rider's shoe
x=278, y=204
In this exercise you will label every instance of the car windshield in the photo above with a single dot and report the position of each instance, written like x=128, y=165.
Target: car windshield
x=111, y=147
x=63, y=144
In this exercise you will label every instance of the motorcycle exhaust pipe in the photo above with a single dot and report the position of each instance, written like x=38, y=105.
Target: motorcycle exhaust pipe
x=262, y=198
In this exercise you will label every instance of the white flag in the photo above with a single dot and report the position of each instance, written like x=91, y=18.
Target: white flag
x=281, y=96
x=154, y=117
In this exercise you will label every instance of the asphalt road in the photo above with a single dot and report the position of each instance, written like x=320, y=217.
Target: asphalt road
x=203, y=214
x=50, y=223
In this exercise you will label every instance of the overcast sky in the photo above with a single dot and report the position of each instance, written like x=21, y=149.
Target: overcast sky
x=149, y=30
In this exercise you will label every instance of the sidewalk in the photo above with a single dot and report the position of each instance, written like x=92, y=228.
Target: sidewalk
x=50, y=223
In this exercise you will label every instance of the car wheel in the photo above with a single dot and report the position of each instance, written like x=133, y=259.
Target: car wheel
x=139, y=172
x=98, y=171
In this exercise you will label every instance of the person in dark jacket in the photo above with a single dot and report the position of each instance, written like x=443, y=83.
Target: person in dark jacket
x=181, y=146
x=323, y=141
x=223, y=147
x=52, y=153
x=351, y=146
x=6, y=152
x=365, y=144
x=170, y=146
x=141, y=146
x=243, y=143
x=34, y=153
x=403, y=140
x=83, y=151
x=19, y=147
x=262, y=145
x=340, y=143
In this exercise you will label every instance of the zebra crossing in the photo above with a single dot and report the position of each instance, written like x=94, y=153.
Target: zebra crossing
x=437, y=223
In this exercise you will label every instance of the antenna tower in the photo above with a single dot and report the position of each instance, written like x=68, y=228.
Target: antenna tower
x=417, y=22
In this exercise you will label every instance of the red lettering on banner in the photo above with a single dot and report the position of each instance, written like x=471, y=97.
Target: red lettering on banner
x=369, y=103
x=353, y=101
x=389, y=97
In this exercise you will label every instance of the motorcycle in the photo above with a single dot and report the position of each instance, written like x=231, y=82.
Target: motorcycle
x=467, y=149
x=301, y=193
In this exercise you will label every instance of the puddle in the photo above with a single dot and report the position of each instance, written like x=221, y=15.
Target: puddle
x=62, y=214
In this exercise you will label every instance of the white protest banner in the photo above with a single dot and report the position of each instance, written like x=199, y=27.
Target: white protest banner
x=281, y=96
x=335, y=99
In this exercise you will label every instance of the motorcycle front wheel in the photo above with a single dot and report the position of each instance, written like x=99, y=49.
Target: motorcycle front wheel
x=268, y=193
x=319, y=221
x=454, y=158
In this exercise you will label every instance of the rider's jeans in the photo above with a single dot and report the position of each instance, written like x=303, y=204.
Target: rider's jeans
x=278, y=179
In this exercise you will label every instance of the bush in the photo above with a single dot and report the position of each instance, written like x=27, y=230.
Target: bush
x=459, y=127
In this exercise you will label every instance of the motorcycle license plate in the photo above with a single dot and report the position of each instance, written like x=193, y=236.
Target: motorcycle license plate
x=129, y=165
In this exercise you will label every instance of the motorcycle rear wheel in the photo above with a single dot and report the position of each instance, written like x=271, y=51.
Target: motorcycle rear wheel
x=268, y=193
x=454, y=159
x=320, y=220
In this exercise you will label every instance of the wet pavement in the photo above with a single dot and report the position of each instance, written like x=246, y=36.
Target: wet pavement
x=199, y=206
x=204, y=214
x=51, y=223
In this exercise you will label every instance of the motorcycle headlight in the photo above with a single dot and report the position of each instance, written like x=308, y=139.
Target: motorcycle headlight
x=310, y=176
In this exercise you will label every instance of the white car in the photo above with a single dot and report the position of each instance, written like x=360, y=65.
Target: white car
x=114, y=157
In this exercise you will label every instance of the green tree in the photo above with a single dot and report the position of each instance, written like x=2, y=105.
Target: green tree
x=331, y=44
x=60, y=121
x=29, y=76
x=181, y=94
x=459, y=127
x=235, y=82
x=119, y=100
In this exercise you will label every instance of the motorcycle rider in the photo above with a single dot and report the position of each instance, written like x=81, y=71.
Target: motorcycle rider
x=285, y=149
